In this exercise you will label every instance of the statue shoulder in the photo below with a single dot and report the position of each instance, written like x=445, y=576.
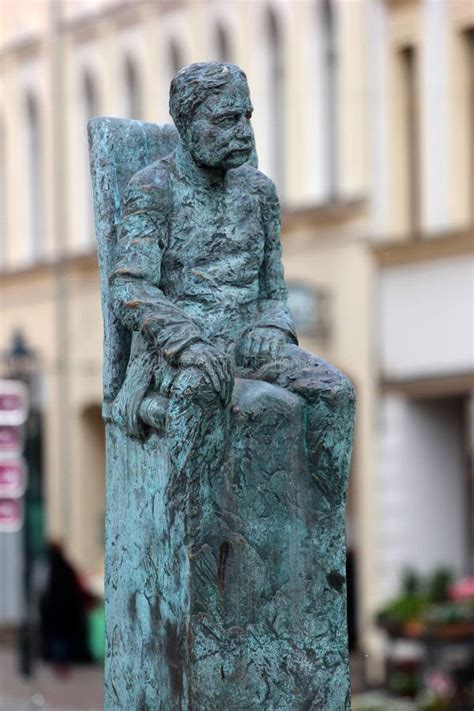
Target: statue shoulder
x=258, y=182
x=150, y=186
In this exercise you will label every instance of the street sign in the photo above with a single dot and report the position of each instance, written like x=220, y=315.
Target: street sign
x=11, y=439
x=13, y=402
x=11, y=515
x=12, y=477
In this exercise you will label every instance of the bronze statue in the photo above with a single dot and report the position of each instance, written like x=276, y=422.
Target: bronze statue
x=254, y=449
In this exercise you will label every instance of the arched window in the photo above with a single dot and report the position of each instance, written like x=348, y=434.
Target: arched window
x=329, y=94
x=34, y=155
x=3, y=217
x=89, y=94
x=409, y=65
x=275, y=81
x=133, y=94
x=469, y=54
x=175, y=58
x=222, y=44
x=90, y=108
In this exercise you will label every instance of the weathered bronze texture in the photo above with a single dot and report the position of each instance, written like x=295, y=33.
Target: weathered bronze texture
x=228, y=446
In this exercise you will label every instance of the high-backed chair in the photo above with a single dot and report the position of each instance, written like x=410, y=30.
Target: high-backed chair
x=236, y=623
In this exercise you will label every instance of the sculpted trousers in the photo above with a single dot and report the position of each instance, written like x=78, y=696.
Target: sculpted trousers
x=198, y=425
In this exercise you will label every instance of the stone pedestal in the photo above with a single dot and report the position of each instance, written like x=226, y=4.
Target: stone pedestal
x=243, y=609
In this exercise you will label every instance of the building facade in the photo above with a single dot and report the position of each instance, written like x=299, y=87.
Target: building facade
x=364, y=117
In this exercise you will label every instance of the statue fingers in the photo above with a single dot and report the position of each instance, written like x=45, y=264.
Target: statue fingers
x=274, y=347
x=220, y=366
x=245, y=349
x=266, y=346
x=229, y=384
x=186, y=359
x=229, y=381
x=213, y=375
x=254, y=345
x=245, y=343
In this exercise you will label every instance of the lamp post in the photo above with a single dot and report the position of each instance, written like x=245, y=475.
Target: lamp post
x=21, y=365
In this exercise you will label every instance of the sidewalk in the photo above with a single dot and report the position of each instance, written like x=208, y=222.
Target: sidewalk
x=79, y=690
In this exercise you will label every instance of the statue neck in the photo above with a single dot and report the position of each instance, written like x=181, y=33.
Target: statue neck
x=198, y=174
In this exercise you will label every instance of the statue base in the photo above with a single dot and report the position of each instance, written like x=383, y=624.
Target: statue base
x=239, y=608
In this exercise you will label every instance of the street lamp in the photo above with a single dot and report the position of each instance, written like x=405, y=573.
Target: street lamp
x=20, y=360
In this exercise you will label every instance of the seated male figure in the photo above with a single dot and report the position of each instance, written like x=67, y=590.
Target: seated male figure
x=199, y=280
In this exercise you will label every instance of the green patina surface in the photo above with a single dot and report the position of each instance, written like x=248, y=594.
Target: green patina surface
x=228, y=446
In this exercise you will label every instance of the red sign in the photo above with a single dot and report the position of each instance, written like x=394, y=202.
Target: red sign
x=11, y=439
x=11, y=514
x=12, y=478
x=13, y=402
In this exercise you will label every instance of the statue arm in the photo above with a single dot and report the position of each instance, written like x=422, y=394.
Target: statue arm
x=136, y=296
x=273, y=294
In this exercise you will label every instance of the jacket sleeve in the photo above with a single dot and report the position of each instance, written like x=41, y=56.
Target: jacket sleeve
x=135, y=291
x=273, y=310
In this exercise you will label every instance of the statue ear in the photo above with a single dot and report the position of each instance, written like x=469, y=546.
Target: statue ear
x=186, y=137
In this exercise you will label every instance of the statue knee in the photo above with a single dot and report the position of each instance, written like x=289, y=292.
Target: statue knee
x=346, y=388
x=336, y=389
x=343, y=391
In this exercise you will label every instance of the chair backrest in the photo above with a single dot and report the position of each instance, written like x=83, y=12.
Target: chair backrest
x=118, y=148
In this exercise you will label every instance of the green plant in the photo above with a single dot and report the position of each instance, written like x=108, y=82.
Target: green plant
x=411, y=583
x=437, y=585
x=417, y=598
x=401, y=610
x=404, y=683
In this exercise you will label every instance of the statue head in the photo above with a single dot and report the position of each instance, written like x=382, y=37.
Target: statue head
x=210, y=105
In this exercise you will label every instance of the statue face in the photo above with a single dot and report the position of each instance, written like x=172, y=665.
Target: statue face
x=220, y=134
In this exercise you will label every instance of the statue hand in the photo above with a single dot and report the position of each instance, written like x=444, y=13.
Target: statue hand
x=217, y=366
x=260, y=343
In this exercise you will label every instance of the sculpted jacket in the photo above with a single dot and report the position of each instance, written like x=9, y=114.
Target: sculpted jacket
x=196, y=262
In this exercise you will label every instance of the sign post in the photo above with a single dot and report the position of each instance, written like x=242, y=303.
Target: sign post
x=12, y=477
x=13, y=415
x=14, y=408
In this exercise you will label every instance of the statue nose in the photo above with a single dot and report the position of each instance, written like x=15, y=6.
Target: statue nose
x=244, y=131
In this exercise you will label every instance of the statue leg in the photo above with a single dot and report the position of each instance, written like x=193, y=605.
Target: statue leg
x=330, y=409
x=197, y=435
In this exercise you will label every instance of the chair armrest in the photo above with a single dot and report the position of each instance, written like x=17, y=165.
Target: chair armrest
x=152, y=410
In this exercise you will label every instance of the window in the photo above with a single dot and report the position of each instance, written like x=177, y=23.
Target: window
x=222, y=44
x=411, y=137
x=275, y=80
x=175, y=55
x=90, y=102
x=133, y=98
x=329, y=96
x=3, y=217
x=470, y=92
x=310, y=307
x=33, y=150
x=90, y=108
x=462, y=133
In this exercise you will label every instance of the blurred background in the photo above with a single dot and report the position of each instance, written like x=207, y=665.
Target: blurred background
x=364, y=117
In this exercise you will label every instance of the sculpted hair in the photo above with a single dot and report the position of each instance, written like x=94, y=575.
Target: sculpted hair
x=193, y=84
